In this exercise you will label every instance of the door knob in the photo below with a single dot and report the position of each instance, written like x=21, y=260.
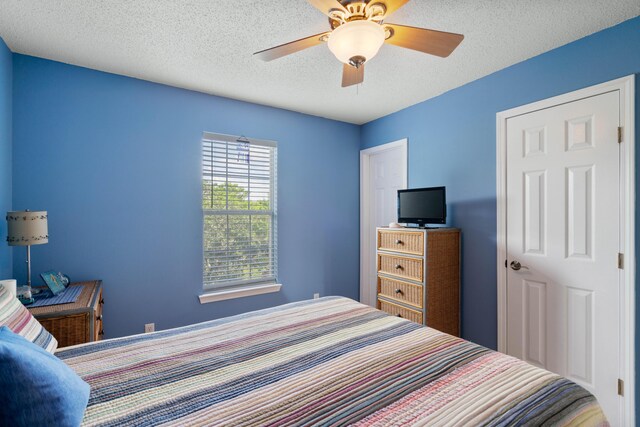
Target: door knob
x=515, y=265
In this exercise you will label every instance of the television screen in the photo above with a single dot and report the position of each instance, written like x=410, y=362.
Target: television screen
x=422, y=206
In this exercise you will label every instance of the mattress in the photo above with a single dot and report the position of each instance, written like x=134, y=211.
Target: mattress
x=330, y=361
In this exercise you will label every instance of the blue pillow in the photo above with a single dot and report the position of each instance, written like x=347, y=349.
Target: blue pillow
x=37, y=388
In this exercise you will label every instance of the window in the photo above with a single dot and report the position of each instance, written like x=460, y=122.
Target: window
x=239, y=211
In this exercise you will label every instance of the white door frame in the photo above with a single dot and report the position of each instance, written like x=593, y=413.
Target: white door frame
x=365, y=238
x=627, y=220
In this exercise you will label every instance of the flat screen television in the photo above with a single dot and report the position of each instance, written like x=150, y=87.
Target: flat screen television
x=422, y=206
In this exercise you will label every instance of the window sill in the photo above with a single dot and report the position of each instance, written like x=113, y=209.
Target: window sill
x=239, y=292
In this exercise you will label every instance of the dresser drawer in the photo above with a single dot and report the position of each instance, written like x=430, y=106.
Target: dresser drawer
x=69, y=329
x=408, y=293
x=401, y=241
x=399, y=311
x=98, y=326
x=405, y=267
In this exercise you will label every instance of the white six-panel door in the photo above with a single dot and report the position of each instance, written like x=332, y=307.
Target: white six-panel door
x=563, y=224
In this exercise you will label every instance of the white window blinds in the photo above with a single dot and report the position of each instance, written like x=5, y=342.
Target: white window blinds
x=239, y=211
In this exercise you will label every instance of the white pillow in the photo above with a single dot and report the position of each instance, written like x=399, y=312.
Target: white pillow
x=15, y=315
x=10, y=285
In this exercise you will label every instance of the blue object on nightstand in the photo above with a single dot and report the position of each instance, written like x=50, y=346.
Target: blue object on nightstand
x=54, y=281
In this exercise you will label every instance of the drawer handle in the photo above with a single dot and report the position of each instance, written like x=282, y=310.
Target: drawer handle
x=99, y=317
x=399, y=267
x=399, y=242
x=101, y=301
x=399, y=291
x=101, y=332
x=399, y=315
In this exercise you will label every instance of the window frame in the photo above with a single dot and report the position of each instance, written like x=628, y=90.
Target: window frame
x=209, y=138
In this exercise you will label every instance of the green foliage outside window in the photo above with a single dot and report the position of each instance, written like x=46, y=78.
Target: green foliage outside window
x=237, y=246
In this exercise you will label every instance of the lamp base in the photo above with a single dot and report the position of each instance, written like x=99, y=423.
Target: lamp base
x=25, y=301
x=24, y=292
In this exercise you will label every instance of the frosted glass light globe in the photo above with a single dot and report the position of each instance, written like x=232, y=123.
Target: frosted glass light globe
x=356, y=38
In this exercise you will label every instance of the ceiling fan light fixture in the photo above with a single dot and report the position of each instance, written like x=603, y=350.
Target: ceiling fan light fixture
x=356, y=38
x=358, y=30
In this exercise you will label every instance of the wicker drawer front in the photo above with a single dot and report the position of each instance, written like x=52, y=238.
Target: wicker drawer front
x=396, y=310
x=68, y=330
x=407, y=293
x=97, y=329
x=99, y=303
x=399, y=241
x=409, y=268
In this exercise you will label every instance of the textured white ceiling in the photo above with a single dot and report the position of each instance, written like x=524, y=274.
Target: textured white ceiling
x=207, y=45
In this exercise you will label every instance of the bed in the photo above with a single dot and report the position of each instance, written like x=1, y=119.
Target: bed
x=330, y=361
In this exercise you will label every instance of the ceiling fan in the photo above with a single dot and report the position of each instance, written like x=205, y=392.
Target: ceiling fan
x=358, y=31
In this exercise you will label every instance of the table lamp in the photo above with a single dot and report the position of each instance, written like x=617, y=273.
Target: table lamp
x=26, y=228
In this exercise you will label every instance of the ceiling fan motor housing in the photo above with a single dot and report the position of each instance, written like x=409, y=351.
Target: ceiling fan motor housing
x=356, y=10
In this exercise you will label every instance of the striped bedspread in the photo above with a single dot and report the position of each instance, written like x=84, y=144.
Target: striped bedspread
x=331, y=361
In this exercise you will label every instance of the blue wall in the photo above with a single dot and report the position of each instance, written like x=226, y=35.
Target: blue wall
x=6, y=109
x=116, y=163
x=452, y=142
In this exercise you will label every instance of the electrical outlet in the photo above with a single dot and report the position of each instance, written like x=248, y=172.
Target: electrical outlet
x=149, y=327
x=316, y=296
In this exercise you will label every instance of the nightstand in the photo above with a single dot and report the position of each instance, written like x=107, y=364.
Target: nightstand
x=78, y=322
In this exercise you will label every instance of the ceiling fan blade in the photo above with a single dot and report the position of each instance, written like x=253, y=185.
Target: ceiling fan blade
x=291, y=47
x=434, y=42
x=352, y=75
x=325, y=6
x=390, y=5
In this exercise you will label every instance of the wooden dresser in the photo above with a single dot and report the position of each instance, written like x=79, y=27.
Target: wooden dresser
x=419, y=276
x=78, y=322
